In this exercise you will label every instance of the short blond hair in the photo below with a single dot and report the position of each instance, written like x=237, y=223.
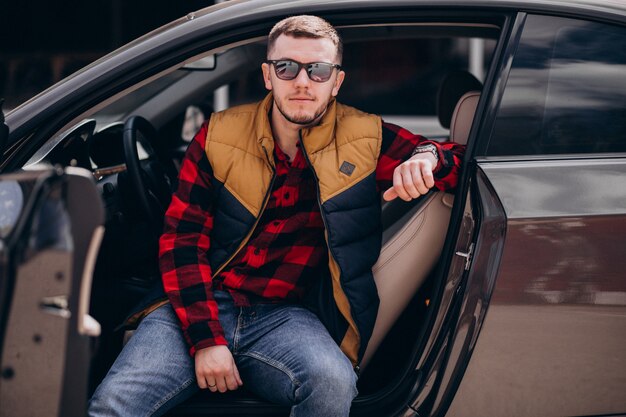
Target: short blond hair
x=306, y=26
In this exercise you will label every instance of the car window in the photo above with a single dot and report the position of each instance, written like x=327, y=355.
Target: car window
x=398, y=78
x=566, y=91
x=392, y=70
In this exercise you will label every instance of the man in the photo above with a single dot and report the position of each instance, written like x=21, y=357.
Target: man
x=269, y=242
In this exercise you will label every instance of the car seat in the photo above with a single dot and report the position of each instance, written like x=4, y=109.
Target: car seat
x=412, y=245
x=451, y=89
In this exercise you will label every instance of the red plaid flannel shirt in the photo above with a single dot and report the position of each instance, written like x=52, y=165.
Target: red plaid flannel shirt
x=286, y=250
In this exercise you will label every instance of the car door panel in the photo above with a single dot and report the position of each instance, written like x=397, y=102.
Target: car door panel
x=475, y=267
x=435, y=354
x=559, y=303
x=48, y=254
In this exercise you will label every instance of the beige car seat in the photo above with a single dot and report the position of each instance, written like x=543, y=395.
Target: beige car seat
x=411, y=252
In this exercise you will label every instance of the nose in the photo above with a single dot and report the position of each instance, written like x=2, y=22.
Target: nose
x=302, y=79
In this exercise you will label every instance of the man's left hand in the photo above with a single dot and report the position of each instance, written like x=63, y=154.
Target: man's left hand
x=412, y=178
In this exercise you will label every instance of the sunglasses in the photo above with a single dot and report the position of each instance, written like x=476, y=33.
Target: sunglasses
x=287, y=69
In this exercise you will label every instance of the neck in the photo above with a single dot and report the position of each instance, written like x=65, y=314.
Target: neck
x=286, y=134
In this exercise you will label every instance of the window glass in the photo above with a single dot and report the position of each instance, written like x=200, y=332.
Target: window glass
x=566, y=91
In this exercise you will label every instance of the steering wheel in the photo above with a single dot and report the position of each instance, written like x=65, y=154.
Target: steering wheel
x=152, y=179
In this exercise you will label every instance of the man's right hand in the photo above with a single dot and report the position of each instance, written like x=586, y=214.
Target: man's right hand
x=216, y=369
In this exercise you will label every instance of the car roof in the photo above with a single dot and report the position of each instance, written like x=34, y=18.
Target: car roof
x=588, y=8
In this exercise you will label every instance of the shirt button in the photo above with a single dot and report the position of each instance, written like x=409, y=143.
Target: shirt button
x=287, y=195
x=276, y=223
x=257, y=251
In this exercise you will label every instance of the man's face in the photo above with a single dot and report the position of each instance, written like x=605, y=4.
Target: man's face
x=302, y=101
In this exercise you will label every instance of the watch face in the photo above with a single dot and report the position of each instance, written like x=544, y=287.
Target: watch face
x=11, y=204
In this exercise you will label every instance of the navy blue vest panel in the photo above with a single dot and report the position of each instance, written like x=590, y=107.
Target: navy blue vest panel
x=231, y=223
x=354, y=235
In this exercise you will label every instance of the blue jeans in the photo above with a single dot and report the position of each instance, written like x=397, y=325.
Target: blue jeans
x=283, y=353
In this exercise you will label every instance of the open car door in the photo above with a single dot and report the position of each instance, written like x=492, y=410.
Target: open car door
x=50, y=231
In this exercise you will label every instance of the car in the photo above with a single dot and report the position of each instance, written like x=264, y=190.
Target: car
x=507, y=297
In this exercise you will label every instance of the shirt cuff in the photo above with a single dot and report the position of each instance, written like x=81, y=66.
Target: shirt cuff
x=212, y=332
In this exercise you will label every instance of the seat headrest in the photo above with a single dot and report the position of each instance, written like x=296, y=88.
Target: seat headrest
x=463, y=116
x=453, y=86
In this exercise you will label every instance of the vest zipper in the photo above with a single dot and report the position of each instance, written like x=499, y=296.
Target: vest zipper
x=256, y=222
x=317, y=187
x=357, y=368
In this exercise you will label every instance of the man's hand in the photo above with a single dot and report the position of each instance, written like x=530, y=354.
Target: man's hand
x=216, y=369
x=412, y=178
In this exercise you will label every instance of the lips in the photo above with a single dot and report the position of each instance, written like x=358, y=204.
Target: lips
x=301, y=99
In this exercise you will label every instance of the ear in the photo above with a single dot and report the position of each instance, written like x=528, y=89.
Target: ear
x=338, y=81
x=265, y=68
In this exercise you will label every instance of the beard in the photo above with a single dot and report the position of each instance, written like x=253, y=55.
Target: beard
x=300, y=117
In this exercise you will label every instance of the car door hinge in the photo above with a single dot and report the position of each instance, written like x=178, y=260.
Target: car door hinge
x=467, y=255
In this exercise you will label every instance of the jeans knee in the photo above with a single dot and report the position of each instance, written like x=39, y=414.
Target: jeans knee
x=335, y=383
x=134, y=397
x=342, y=381
x=105, y=402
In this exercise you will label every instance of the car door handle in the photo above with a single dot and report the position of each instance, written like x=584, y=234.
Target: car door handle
x=467, y=255
x=56, y=306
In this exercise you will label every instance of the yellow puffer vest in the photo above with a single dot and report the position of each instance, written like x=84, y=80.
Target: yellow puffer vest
x=343, y=151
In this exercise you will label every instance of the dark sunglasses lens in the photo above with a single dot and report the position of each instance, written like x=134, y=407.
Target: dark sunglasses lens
x=286, y=70
x=319, y=72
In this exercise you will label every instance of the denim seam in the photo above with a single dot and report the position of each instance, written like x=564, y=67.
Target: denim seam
x=275, y=364
x=171, y=395
x=236, y=335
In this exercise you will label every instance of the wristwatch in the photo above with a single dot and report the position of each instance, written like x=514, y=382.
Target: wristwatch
x=429, y=147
